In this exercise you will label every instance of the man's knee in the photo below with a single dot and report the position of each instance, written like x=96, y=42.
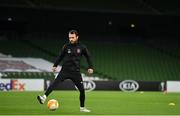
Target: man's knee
x=81, y=89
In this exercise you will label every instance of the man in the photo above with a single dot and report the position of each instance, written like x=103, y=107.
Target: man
x=71, y=54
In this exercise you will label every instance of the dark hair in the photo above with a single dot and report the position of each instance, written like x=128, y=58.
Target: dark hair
x=73, y=32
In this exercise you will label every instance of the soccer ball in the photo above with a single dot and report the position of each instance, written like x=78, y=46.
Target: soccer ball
x=53, y=104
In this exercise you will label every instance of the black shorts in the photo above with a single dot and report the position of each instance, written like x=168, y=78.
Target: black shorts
x=74, y=76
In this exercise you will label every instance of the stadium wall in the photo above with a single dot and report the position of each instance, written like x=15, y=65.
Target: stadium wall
x=126, y=85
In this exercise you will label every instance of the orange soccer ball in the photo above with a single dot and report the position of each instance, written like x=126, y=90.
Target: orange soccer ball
x=53, y=104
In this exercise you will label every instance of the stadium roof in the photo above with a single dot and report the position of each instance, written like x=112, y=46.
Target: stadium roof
x=155, y=7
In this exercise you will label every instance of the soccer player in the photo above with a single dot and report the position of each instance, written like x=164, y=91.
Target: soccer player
x=71, y=54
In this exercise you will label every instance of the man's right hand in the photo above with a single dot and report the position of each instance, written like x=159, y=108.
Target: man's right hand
x=90, y=71
x=54, y=69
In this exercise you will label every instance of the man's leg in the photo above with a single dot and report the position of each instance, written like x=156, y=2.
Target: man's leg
x=79, y=84
x=42, y=98
x=82, y=93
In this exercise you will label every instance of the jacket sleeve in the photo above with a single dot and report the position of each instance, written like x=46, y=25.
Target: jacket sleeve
x=60, y=56
x=88, y=57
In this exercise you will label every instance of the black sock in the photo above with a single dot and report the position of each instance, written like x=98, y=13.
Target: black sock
x=82, y=98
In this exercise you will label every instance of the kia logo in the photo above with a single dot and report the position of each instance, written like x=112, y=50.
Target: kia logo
x=129, y=86
x=88, y=85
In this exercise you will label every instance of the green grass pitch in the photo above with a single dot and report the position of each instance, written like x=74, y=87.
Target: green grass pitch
x=99, y=102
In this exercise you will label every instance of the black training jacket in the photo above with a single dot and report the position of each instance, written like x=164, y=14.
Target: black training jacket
x=71, y=55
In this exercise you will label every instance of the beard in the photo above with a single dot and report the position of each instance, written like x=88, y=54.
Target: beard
x=73, y=42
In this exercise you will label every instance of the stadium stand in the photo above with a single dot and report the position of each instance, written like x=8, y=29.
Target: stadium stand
x=170, y=47
x=150, y=61
x=113, y=60
x=135, y=61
